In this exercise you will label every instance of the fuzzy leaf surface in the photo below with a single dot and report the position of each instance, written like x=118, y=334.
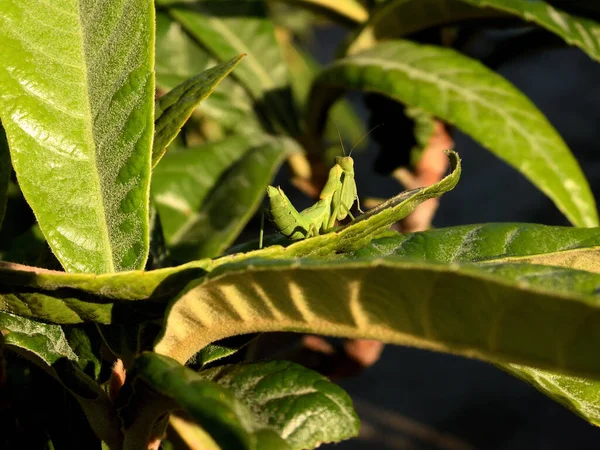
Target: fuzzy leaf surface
x=302, y=406
x=77, y=105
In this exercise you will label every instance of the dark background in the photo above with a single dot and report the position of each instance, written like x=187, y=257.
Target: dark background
x=415, y=399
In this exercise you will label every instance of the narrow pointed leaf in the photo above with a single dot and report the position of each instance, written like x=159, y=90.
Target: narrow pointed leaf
x=484, y=105
x=172, y=386
x=397, y=18
x=207, y=195
x=227, y=29
x=179, y=57
x=174, y=108
x=302, y=406
x=77, y=105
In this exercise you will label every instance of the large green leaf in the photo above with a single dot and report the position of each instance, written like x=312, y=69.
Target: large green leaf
x=527, y=314
x=77, y=105
x=484, y=105
x=178, y=58
x=206, y=195
x=227, y=29
x=47, y=346
x=398, y=18
x=161, y=385
x=526, y=243
x=5, y=169
x=117, y=298
x=174, y=108
x=302, y=406
x=576, y=248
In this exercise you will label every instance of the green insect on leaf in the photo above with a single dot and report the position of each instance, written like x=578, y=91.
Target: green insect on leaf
x=335, y=201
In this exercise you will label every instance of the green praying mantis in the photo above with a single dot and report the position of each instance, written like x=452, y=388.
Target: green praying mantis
x=335, y=201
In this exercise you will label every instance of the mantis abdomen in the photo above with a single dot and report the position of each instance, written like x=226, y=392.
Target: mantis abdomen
x=293, y=224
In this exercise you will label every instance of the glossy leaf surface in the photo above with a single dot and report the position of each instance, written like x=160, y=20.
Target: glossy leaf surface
x=484, y=105
x=77, y=104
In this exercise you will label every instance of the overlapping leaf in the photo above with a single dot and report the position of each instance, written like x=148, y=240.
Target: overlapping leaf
x=179, y=57
x=206, y=195
x=302, y=406
x=398, y=18
x=347, y=11
x=227, y=29
x=525, y=243
x=463, y=92
x=170, y=386
x=174, y=108
x=77, y=106
x=48, y=346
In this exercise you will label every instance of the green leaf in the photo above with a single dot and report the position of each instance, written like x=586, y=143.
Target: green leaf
x=221, y=349
x=398, y=18
x=526, y=243
x=47, y=342
x=304, y=407
x=205, y=196
x=77, y=105
x=227, y=29
x=576, y=248
x=174, y=108
x=171, y=386
x=484, y=105
x=178, y=58
x=347, y=11
x=5, y=170
x=580, y=395
x=47, y=346
x=500, y=313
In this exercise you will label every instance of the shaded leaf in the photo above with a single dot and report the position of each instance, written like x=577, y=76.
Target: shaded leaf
x=171, y=386
x=526, y=243
x=5, y=170
x=80, y=130
x=205, y=196
x=227, y=29
x=47, y=346
x=484, y=105
x=179, y=57
x=221, y=349
x=346, y=11
x=174, y=108
x=304, y=407
x=398, y=18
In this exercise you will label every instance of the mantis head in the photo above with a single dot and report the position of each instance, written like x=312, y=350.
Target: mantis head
x=345, y=162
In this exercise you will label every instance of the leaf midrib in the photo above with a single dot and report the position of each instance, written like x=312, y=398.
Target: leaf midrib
x=100, y=209
x=413, y=72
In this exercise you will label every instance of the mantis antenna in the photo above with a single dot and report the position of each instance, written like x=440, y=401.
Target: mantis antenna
x=362, y=138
